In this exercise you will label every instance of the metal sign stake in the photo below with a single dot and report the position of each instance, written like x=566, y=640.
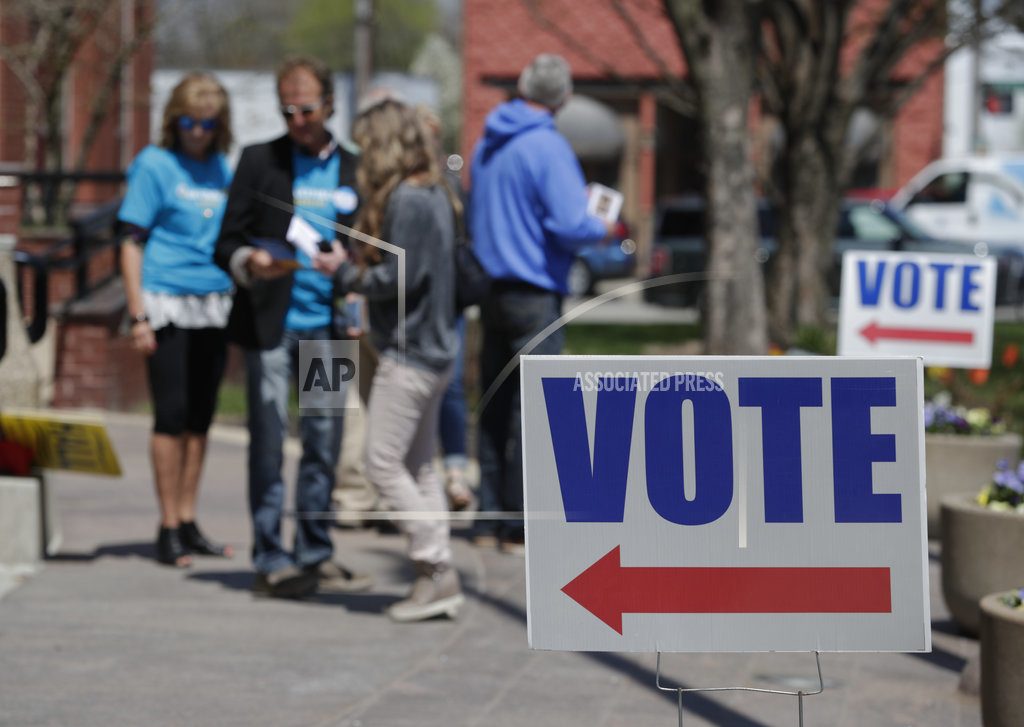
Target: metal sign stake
x=798, y=694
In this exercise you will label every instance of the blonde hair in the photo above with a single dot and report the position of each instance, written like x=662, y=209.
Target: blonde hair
x=394, y=145
x=200, y=93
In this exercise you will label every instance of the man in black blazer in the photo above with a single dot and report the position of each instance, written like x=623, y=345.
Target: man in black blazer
x=308, y=174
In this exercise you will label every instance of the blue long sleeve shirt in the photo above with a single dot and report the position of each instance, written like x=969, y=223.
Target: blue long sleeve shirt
x=529, y=200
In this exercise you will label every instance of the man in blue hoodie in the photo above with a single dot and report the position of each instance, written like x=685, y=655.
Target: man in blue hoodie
x=528, y=217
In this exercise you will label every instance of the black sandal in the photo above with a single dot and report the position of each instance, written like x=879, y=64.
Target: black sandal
x=169, y=549
x=195, y=542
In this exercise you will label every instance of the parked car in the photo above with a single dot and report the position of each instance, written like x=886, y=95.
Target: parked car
x=611, y=258
x=680, y=246
x=970, y=198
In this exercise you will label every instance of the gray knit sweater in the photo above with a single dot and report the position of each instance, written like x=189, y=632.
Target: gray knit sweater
x=418, y=220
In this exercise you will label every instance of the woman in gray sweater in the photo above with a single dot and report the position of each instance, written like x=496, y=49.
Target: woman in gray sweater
x=410, y=268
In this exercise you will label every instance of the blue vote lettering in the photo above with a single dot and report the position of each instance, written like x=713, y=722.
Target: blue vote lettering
x=712, y=444
x=900, y=283
x=780, y=401
x=593, y=483
x=970, y=285
x=907, y=280
x=854, y=448
x=941, y=271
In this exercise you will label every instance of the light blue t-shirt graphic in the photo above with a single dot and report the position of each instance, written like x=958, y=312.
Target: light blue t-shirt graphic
x=318, y=200
x=180, y=201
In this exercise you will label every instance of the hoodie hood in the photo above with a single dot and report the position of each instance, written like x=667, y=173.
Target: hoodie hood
x=511, y=119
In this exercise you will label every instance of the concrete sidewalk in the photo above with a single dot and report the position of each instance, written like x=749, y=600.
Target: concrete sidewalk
x=103, y=636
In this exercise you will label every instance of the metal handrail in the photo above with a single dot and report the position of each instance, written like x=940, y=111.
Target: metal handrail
x=49, y=185
x=3, y=320
x=90, y=235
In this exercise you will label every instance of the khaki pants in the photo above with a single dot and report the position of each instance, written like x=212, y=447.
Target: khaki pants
x=401, y=443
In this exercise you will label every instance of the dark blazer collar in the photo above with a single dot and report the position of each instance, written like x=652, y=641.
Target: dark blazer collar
x=283, y=147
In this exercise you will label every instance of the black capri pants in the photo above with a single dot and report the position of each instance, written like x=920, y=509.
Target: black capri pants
x=185, y=373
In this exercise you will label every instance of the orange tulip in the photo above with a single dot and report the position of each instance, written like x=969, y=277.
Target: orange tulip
x=1011, y=354
x=978, y=376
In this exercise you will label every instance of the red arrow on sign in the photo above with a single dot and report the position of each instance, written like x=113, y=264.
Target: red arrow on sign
x=608, y=590
x=873, y=332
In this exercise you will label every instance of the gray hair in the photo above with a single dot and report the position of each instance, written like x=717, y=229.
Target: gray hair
x=547, y=80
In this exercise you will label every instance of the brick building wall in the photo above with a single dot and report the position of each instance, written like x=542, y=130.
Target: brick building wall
x=126, y=128
x=95, y=364
x=500, y=38
x=10, y=200
x=92, y=361
x=12, y=99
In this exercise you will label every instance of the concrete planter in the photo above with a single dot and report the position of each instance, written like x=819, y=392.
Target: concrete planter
x=981, y=554
x=956, y=463
x=1002, y=663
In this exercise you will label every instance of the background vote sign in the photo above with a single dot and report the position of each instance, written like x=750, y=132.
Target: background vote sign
x=939, y=307
x=725, y=504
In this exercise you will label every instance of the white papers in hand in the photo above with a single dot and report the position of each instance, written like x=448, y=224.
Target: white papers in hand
x=303, y=236
x=604, y=202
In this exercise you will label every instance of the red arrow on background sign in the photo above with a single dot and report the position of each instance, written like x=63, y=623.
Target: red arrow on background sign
x=608, y=590
x=873, y=332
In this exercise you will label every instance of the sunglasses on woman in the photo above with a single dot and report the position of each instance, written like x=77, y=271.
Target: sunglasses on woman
x=187, y=123
x=306, y=110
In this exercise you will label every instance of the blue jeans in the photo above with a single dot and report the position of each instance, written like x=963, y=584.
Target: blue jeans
x=453, y=407
x=511, y=317
x=269, y=377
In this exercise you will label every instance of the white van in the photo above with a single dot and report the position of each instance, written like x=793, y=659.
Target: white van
x=971, y=198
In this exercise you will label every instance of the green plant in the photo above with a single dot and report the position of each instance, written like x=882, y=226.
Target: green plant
x=941, y=417
x=816, y=340
x=1014, y=600
x=1006, y=491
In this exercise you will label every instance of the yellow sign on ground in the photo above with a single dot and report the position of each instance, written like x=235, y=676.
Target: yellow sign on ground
x=62, y=441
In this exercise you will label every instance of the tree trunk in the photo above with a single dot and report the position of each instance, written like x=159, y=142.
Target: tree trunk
x=33, y=200
x=807, y=224
x=718, y=42
x=781, y=292
x=735, y=320
x=53, y=153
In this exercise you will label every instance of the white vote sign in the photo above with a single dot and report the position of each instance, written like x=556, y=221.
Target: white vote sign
x=939, y=307
x=725, y=504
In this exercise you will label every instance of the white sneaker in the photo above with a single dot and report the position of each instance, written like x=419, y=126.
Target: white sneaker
x=460, y=497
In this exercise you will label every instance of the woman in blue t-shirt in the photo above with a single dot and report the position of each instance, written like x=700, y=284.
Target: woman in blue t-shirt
x=178, y=299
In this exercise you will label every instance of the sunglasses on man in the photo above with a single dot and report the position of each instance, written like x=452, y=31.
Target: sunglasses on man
x=187, y=123
x=306, y=110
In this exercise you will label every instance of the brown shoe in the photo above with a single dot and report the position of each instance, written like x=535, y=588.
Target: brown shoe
x=435, y=592
x=287, y=582
x=335, y=578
